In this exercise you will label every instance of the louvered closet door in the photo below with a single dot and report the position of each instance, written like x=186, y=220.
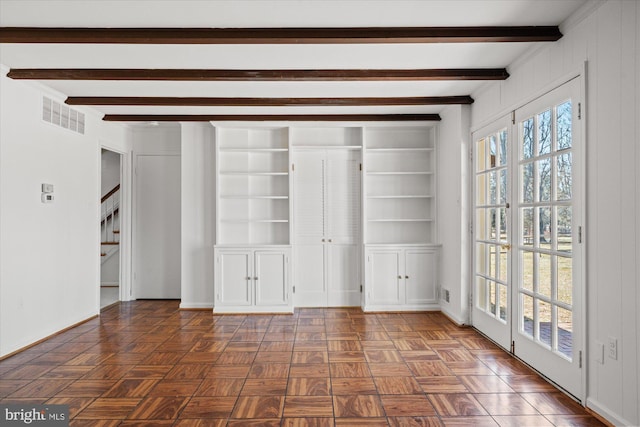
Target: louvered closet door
x=308, y=205
x=343, y=227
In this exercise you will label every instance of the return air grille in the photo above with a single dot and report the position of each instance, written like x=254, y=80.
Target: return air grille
x=61, y=115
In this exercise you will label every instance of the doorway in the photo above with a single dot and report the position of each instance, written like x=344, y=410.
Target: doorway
x=110, y=227
x=528, y=214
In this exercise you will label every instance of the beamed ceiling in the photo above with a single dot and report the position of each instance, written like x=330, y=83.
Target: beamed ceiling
x=148, y=61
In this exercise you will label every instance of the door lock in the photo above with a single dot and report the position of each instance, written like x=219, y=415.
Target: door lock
x=506, y=246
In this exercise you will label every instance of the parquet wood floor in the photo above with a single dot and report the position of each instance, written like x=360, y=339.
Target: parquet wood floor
x=147, y=363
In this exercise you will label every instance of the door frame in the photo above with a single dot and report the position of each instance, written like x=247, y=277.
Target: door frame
x=125, y=218
x=580, y=73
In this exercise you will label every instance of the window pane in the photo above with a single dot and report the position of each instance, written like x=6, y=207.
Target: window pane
x=564, y=178
x=527, y=226
x=492, y=297
x=503, y=225
x=544, y=132
x=565, y=280
x=481, y=258
x=502, y=276
x=493, y=184
x=526, y=324
x=544, y=275
x=502, y=295
x=503, y=148
x=527, y=270
x=544, y=319
x=493, y=151
x=563, y=126
x=480, y=155
x=481, y=224
x=503, y=187
x=527, y=182
x=527, y=139
x=492, y=224
x=565, y=332
x=481, y=190
x=492, y=261
x=481, y=293
x=564, y=229
x=544, y=222
x=544, y=179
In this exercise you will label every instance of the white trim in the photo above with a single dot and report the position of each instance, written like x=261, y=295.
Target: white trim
x=402, y=307
x=196, y=305
x=607, y=413
x=524, y=101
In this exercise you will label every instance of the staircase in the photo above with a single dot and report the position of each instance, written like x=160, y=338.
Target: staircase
x=110, y=223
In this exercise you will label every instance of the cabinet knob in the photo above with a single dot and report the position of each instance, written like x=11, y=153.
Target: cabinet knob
x=406, y=277
x=399, y=277
x=255, y=278
x=323, y=240
x=248, y=278
x=329, y=240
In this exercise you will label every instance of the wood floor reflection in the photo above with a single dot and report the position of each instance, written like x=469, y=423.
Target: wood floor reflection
x=147, y=363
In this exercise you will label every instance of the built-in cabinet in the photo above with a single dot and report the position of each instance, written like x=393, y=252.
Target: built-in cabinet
x=327, y=215
x=252, y=252
x=348, y=213
x=401, y=278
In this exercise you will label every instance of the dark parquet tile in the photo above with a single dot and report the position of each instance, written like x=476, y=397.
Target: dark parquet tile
x=147, y=363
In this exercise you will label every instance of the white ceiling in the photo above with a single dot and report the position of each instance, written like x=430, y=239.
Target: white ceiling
x=254, y=14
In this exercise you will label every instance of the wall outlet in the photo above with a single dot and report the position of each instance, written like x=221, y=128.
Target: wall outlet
x=613, y=348
x=47, y=188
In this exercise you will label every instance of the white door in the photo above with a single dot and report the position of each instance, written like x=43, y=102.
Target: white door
x=420, y=277
x=548, y=288
x=270, y=278
x=157, y=242
x=342, y=190
x=387, y=284
x=235, y=278
x=491, y=310
x=309, y=223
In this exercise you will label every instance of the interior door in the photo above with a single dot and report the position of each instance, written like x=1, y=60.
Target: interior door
x=342, y=193
x=549, y=286
x=157, y=242
x=491, y=310
x=309, y=223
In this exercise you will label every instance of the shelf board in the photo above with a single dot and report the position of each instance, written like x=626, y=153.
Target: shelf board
x=397, y=150
x=255, y=173
x=400, y=173
x=255, y=197
x=251, y=221
x=404, y=196
x=252, y=150
x=401, y=220
x=327, y=147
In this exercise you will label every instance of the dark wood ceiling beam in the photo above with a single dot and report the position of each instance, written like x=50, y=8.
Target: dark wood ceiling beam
x=264, y=102
x=490, y=34
x=258, y=75
x=269, y=117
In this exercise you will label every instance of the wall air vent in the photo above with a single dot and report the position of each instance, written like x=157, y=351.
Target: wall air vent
x=61, y=115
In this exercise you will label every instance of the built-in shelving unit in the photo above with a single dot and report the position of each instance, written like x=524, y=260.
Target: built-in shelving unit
x=400, y=185
x=252, y=186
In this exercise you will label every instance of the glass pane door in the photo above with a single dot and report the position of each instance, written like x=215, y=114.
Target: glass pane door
x=548, y=279
x=491, y=311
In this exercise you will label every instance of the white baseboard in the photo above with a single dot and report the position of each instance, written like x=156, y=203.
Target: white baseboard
x=454, y=317
x=402, y=307
x=196, y=305
x=608, y=414
x=109, y=285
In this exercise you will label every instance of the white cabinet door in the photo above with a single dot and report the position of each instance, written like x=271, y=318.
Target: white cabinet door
x=235, y=282
x=385, y=282
x=343, y=275
x=420, y=276
x=271, y=278
x=310, y=286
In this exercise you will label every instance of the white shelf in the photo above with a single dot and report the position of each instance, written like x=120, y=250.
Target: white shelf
x=400, y=220
x=247, y=197
x=403, y=196
x=397, y=150
x=251, y=221
x=252, y=150
x=401, y=173
x=255, y=173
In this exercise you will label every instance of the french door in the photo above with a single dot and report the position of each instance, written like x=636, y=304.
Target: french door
x=529, y=194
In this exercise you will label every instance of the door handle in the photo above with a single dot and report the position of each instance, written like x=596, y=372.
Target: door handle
x=506, y=246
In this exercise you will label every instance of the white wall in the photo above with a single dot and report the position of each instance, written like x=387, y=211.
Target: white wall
x=49, y=253
x=198, y=215
x=608, y=38
x=453, y=210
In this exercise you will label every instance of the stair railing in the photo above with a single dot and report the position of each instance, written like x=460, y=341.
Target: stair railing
x=109, y=207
